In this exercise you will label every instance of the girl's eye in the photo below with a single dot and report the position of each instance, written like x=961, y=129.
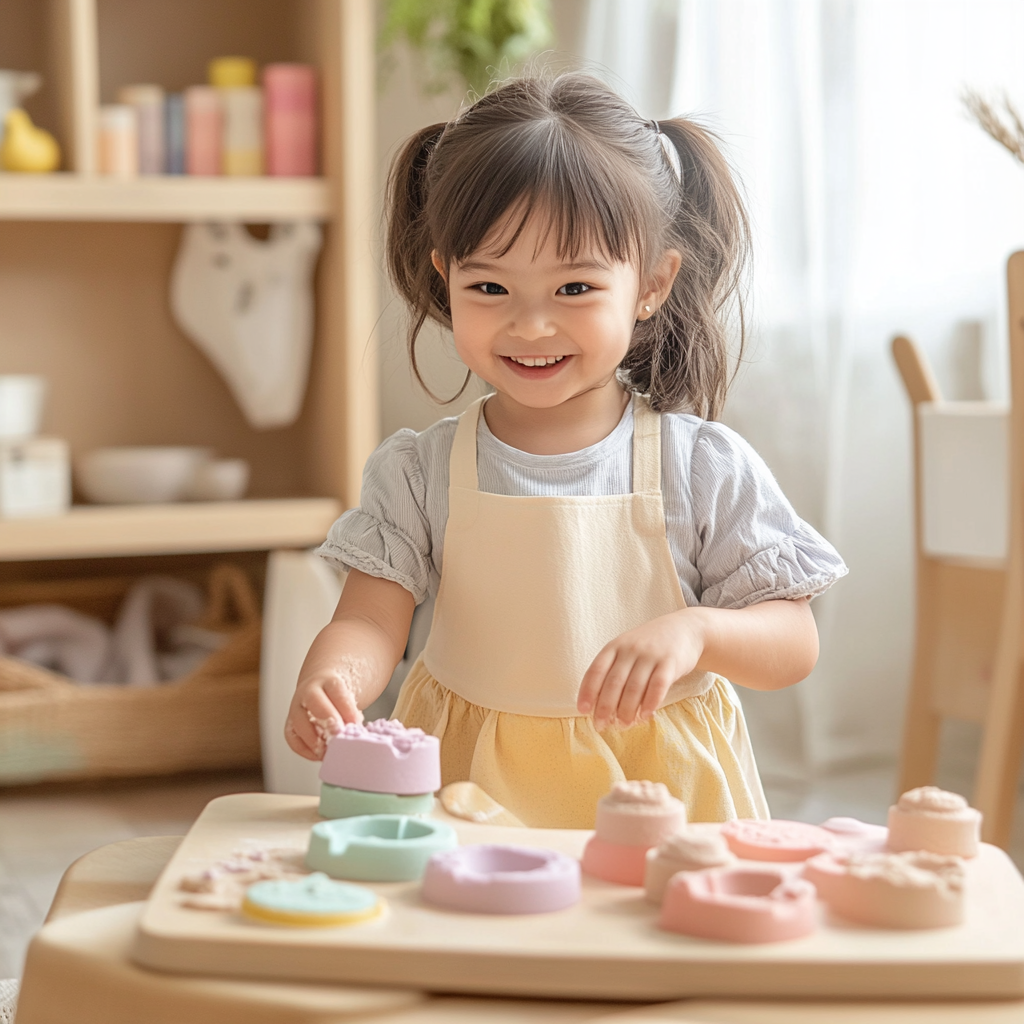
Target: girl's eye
x=576, y=288
x=490, y=288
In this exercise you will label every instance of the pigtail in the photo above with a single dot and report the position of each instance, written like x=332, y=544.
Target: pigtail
x=681, y=354
x=409, y=242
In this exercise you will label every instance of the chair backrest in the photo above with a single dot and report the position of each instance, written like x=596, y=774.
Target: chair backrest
x=917, y=375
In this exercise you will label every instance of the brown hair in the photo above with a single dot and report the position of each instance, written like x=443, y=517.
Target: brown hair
x=573, y=148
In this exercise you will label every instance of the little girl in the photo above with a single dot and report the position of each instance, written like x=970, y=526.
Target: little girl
x=604, y=555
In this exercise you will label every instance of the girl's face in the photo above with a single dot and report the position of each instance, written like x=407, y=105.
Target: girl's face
x=539, y=329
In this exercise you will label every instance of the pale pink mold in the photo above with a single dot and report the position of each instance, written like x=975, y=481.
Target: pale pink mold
x=500, y=879
x=383, y=757
x=915, y=889
x=933, y=819
x=776, y=840
x=632, y=818
x=739, y=904
x=688, y=850
x=639, y=813
x=851, y=834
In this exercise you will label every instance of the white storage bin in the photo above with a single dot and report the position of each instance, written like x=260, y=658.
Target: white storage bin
x=965, y=462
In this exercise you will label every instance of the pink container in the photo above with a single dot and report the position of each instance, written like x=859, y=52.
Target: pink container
x=383, y=757
x=851, y=834
x=500, y=879
x=934, y=819
x=289, y=96
x=739, y=905
x=615, y=862
x=776, y=839
x=891, y=890
x=204, y=130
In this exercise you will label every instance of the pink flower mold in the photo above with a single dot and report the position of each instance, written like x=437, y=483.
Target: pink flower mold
x=933, y=819
x=916, y=889
x=739, y=904
x=502, y=879
x=776, y=840
x=632, y=818
x=852, y=834
x=688, y=850
x=383, y=757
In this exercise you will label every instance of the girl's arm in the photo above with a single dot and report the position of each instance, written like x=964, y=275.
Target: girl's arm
x=350, y=661
x=764, y=646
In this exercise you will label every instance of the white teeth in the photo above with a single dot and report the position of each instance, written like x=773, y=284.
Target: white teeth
x=536, y=360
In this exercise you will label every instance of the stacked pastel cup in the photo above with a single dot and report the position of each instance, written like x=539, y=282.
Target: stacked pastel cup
x=379, y=768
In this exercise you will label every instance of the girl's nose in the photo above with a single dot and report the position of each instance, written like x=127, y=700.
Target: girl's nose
x=531, y=322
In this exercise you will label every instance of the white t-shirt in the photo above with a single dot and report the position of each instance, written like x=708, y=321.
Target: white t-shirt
x=735, y=539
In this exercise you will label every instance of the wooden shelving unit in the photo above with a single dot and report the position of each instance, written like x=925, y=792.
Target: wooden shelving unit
x=95, y=530
x=85, y=260
x=92, y=198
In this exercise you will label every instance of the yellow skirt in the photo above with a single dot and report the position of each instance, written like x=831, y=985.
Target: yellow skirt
x=550, y=772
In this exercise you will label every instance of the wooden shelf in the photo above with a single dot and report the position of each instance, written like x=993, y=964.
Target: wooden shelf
x=90, y=531
x=159, y=198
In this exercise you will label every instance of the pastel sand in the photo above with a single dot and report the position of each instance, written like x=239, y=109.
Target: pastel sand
x=606, y=946
x=383, y=756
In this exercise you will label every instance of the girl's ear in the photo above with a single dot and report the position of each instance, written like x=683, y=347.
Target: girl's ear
x=659, y=284
x=440, y=267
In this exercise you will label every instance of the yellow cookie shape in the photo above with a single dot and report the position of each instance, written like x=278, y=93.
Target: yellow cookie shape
x=312, y=902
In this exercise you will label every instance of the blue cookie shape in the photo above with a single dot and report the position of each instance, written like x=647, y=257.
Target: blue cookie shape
x=378, y=847
x=315, y=901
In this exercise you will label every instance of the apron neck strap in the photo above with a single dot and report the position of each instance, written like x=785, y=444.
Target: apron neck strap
x=646, y=448
x=462, y=466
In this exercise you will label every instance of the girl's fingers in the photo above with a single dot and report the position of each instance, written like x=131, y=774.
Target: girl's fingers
x=590, y=687
x=633, y=692
x=299, y=726
x=611, y=690
x=344, y=702
x=657, y=686
x=297, y=743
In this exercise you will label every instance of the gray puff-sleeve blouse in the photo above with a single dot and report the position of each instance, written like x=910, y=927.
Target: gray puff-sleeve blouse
x=735, y=539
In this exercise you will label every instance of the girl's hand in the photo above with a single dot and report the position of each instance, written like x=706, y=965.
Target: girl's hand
x=630, y=676
x=349, y=662
x=323, y=702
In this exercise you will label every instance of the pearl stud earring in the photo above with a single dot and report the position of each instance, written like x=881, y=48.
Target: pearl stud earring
x=647, y=309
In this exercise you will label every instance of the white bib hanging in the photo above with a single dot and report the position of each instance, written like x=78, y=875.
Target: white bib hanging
x=248, y=304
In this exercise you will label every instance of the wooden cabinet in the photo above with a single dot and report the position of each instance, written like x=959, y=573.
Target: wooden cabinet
x=85, y=263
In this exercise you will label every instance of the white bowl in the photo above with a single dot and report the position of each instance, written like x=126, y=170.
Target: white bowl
x=142, y=475
x=219, y=480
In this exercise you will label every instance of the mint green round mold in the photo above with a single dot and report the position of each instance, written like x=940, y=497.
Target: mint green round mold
x=377, y=847
x=339, y=802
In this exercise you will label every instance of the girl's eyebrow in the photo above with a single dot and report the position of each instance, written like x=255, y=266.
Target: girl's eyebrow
x=478, y=266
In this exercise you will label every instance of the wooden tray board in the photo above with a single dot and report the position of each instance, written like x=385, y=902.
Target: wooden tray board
x=606, y=947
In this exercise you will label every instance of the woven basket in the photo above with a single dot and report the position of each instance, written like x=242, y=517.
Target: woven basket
x=52, y=728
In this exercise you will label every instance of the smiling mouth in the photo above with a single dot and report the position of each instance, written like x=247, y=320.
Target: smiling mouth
x=535, y=360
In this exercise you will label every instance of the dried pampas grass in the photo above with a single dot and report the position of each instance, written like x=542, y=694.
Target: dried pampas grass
x=1003, y=123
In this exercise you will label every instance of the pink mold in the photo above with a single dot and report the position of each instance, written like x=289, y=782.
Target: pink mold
x=500, y=879
x=908, y=890
x=739, y=905
x=614, y=862
x=632, y=818
x=933, y=819
x=776, y=840
x=689, y=850
x=383, y=757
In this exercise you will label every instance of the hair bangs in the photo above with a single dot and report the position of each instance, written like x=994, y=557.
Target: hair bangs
x=546, y=171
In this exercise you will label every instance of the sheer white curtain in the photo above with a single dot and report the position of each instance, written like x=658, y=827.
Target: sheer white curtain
x=877, y=208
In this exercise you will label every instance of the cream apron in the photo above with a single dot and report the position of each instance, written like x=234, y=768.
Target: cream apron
x=531, y=589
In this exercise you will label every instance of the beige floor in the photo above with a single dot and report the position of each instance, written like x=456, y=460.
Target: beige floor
x=44, y=830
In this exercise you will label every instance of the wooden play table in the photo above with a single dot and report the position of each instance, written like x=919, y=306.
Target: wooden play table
x=78, y=969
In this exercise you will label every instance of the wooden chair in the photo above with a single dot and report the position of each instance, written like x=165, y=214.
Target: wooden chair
x=969, y=636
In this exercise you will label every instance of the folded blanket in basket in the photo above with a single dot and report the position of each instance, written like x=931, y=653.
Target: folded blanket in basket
x=154, y=637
